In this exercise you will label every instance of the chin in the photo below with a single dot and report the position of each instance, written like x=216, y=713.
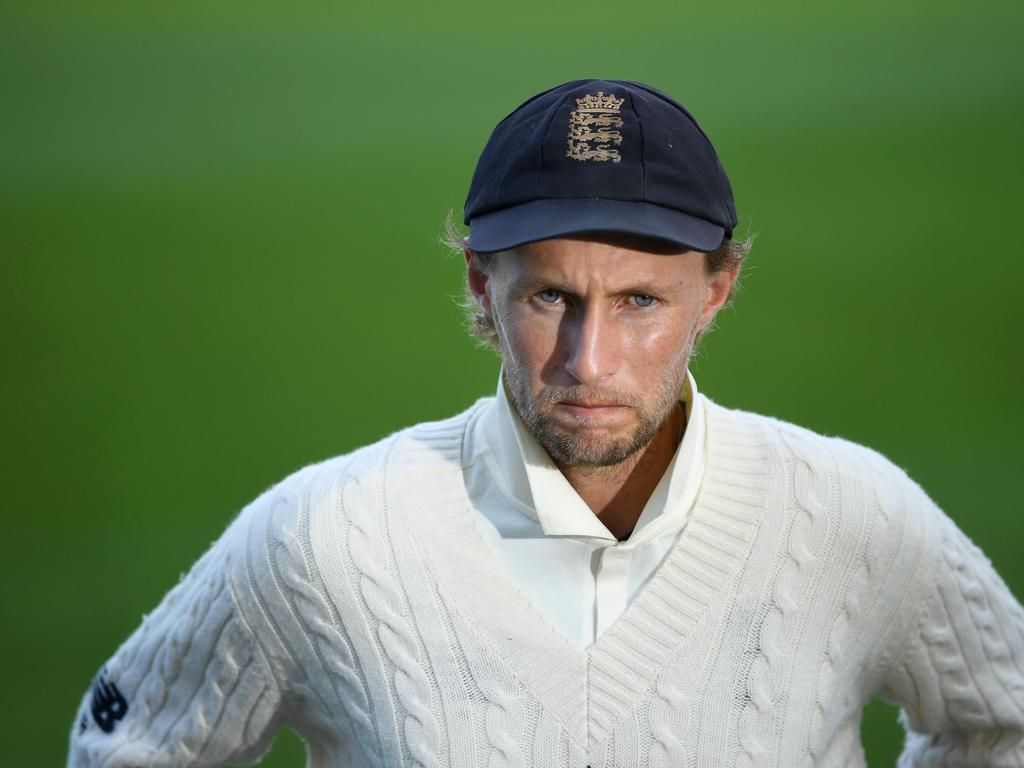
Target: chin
x=576, y=450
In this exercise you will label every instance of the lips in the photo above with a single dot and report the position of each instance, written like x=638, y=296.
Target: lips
x=591, y=410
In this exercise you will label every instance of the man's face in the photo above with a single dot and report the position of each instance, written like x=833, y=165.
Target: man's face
x=595, y=337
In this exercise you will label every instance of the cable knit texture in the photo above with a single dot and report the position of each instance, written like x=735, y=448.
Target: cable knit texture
x=358, y=603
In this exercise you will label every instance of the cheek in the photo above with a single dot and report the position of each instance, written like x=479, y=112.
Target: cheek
x=530, y=340
x=662, y=347
x=658, y=340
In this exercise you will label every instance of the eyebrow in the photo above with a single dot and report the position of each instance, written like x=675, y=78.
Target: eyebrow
x=532, y=283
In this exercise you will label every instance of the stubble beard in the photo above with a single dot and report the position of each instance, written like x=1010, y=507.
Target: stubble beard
x=577, y=448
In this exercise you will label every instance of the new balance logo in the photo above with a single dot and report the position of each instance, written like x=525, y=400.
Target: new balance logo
x=108, y=705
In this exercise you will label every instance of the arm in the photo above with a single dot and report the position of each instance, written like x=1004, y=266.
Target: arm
x=191, y=686
x=960, y=677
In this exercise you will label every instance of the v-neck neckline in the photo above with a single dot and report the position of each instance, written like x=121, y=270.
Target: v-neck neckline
x=586, y=690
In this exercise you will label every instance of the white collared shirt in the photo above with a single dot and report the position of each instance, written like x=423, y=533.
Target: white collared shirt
x=551, y=543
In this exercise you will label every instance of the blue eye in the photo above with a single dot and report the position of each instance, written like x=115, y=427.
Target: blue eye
x=549, y=296
x=643, y=300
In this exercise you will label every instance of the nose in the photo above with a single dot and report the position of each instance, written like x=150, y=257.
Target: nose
x=591, y=339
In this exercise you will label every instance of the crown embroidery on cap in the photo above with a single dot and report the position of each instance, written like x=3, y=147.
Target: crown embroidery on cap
x=593, y=120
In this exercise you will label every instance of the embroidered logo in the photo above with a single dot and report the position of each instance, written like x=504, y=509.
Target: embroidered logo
x=108, y=705
x=592, y=128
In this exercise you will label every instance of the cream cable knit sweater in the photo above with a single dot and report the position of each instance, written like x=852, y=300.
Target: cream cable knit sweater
x=357, y=602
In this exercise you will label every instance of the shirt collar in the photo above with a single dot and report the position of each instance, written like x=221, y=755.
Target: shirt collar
x=541, y=491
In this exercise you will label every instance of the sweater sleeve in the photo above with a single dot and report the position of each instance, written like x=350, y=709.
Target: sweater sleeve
x=191, y=686
x=960, y=677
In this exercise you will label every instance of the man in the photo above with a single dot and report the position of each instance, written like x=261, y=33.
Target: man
x=599, y=566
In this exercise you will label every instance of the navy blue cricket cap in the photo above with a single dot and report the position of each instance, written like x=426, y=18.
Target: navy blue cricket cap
x=599, y=156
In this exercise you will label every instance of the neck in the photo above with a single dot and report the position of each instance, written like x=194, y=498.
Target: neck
x=619, y=493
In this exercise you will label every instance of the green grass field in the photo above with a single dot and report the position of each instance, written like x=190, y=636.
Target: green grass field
x=219, y=255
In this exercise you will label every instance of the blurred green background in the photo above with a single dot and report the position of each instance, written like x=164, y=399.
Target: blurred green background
x=219, y=262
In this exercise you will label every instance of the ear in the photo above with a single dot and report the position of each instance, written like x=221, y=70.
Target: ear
x=476, y=280
x=718, y=289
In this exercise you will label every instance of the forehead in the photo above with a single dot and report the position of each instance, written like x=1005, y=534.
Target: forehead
x=607, y=259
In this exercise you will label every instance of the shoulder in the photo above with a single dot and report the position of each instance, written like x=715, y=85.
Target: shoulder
x=860, y=505
x=331, y=493
x=828, y=458
x=378, y=462
x=871, y=531
x=300, y=540
x=367, y=463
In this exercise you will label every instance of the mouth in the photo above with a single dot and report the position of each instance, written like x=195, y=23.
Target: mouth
x=590, y=408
